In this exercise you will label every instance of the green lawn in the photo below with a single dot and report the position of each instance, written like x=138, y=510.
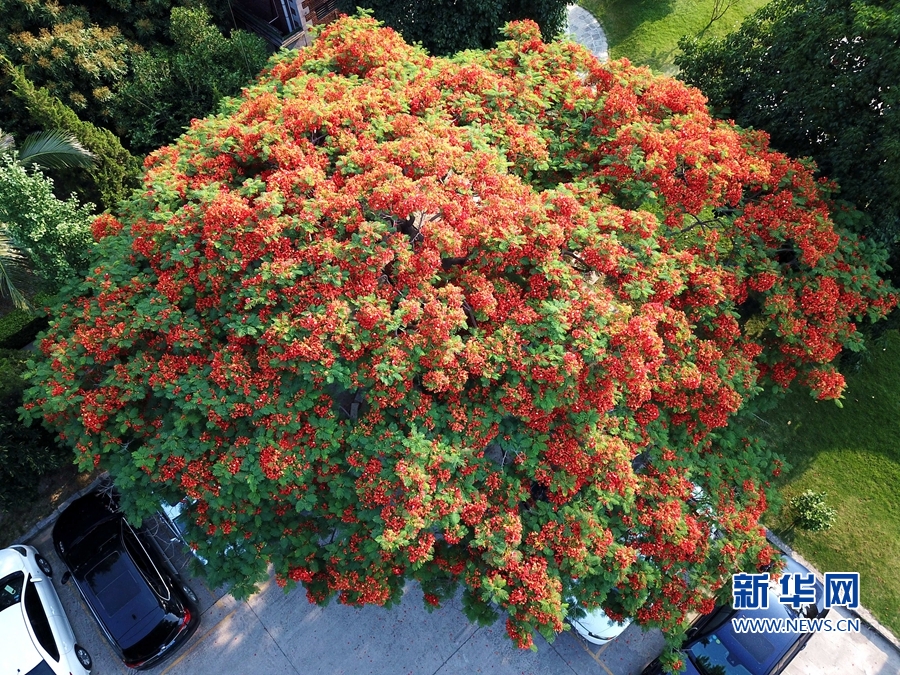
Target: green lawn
x=853, y=454
x=647, y=31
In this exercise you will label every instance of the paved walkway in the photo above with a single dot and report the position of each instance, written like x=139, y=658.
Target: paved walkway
x=586, y=30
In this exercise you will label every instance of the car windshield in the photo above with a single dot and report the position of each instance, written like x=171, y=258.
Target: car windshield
x=99, y=539
x=42, y=668
x=711, y=657
x=11, y=589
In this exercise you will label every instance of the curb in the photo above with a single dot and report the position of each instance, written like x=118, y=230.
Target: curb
x=860, y=612
x=49, y=520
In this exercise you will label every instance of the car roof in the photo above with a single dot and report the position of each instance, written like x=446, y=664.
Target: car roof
x=599, y=623
x=760, y=651
x=121, y=597
x=119, y=594
x=90, y=531
x=19, y=653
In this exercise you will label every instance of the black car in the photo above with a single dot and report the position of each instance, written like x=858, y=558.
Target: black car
x=142, y=605
x=714, y=647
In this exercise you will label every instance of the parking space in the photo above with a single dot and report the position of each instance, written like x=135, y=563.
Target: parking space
x=283, y=634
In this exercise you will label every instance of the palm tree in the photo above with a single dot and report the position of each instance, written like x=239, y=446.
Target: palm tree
x=14, y=269
x=54, y=149
x=48, y=149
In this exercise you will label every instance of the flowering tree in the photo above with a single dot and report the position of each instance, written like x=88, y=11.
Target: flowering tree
x=476, y=321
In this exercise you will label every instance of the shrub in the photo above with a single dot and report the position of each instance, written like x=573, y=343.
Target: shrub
x=811, y=513
x=54, y=233
x=171, y=85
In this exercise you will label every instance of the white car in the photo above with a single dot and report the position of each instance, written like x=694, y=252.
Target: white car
x=596, y=627
x=175, y=518
x=35, y=635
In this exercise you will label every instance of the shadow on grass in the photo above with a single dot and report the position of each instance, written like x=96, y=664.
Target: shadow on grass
x=620, y=18
x=662, y=61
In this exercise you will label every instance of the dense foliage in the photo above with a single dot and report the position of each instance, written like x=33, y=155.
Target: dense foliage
x=447, y=26
x=476, y=321
x=171, y=85
x=820, y=76
x=26, y=453
x=55, y=234
x=141, y=69
x=115, y=170
x=80, y=52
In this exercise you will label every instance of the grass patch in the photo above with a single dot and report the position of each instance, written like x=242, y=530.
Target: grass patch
x=647, y=31
x=852, y=453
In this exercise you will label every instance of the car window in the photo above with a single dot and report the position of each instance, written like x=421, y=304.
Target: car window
x=11, y=590
x=37, y=616
x=101, y=538
x=710, y=622
x=112, y=583
x=711, y=657
x=791, y=653
x=757, y=645
x=138, y=553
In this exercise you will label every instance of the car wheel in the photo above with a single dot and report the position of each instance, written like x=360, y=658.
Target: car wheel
x=43, y=565
x=83, y=657
x=188, y=591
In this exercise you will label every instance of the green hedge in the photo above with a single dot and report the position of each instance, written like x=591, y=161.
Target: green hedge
x=19, y=327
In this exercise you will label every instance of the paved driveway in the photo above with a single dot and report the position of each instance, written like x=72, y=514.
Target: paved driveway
x=282, y=634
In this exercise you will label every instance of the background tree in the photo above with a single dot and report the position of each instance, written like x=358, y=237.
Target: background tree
x=719, y=9
x=53, y=234
x=19, y=194
x=479, y=321
x=84, y=55
x=447, y=26
x=820, y=77
x=80, y=55
x=171, y=85
x=78, y=62
x=115, y=170
x=26, y=452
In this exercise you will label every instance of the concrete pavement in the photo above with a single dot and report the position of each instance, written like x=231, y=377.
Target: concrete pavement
x=584, y=29
x=274, y=633
x=863, y=653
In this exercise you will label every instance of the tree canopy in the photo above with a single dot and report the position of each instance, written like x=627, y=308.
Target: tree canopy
x=478, y=321
x=820, y=76
x=140, y=69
